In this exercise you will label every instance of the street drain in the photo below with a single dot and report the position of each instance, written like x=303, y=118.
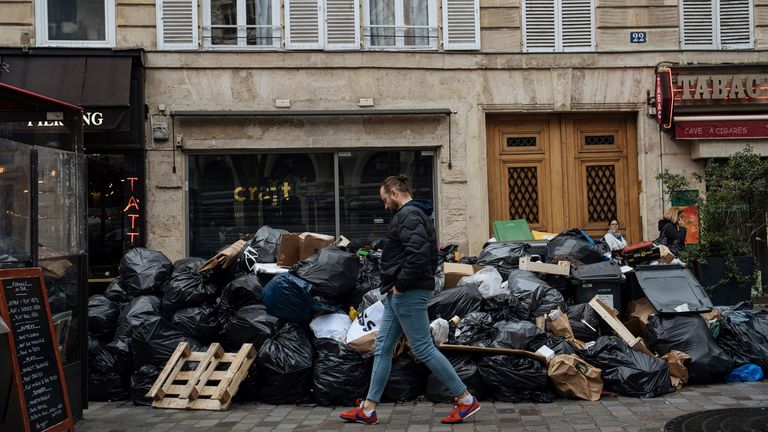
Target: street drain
x=721, y=420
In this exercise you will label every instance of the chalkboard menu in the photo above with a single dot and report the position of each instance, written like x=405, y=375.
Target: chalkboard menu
x=38, y=374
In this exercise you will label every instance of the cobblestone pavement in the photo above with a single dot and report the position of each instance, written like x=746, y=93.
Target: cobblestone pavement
x=608, y=414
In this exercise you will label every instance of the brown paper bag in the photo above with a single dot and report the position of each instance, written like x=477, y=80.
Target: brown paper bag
x=559, y=324
x=225, y=258
x=678, y=373
x=575, y=378
x=666, y=256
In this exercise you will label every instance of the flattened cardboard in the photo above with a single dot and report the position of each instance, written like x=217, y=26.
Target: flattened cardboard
x=678, y=372
x=454, y=272
x=296, y=247
x=495, y=351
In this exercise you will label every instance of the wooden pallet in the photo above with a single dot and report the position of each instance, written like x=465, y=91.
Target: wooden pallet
x=205, y=388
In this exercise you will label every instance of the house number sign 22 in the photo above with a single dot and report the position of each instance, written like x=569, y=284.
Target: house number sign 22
x=638, y=37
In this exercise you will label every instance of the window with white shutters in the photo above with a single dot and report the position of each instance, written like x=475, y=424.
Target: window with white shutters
x=716, y=24
x=241, y=24
x=303, y=25
x=461, y=24
x=176, y=24
x=342, y=24
x=558, y=25
x=401, y=24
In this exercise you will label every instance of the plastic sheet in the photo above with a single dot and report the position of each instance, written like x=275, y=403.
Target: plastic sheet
x=466, y=367
x=535, y=294
x=626, y=371
x=104, y=381
x=199, y=322
x=690, y=334
x=122, y=356
x=515, y=379
x=331, y=326
x=575, y=246
x=102, y=317
x=285, y=366
x=504, y=307
x=187, y=287
x=341, y=375
x=143, y=271
x=476, y=328
x=455, y=301
x=557, y=344
x=747, y=373
x=502, y=256
x=407, y=380
x=251, y=324
x=138, y=312
x=332, y=271
x=370, y=298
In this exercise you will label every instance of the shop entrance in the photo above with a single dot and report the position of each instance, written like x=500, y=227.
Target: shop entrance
x=563, y=171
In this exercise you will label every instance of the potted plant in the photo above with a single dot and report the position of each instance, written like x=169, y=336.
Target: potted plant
x=732, y=218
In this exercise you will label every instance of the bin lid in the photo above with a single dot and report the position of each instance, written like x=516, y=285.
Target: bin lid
x=3, y=327
x=602, y=271
x=672, y=289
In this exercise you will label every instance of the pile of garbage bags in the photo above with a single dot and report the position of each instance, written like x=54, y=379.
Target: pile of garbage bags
x=512, y=335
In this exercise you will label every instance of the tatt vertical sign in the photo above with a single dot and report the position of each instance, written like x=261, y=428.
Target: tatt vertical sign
x=132, y=211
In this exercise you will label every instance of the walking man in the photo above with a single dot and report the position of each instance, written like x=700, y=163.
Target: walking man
x=408, y=263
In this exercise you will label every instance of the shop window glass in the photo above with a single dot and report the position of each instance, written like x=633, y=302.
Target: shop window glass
x=236, y=194
x=14, y=203
x=115, y=210
x=362, y=214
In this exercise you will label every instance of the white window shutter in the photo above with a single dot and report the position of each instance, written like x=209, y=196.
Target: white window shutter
x=342, y=24
x=576, y=19
x=461, y=24
x=176, y=24
x=698, y=24
x=303, y=24
x=539, y=25
x=736, y=24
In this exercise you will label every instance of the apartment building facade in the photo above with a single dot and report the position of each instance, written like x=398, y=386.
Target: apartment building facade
x=289, y=112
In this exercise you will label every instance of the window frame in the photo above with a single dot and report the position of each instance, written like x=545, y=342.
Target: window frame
x=558, y=21
x=41, y=28
x=717, y=43
x=242, y=29
x=432, y=26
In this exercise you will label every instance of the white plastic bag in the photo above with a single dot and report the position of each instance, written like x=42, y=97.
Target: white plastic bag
x=333, y=326
x=489, y=279
x=361, y=336
x=439, y=330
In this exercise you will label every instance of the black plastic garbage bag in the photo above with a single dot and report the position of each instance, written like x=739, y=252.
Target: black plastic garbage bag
x=476, y=328
x=368, y=279
x=626, y=371
x=57, y=298
x=466, y=367
x=198, y=322
x=102, y=317
x=243, y=291
x=575, y=246
x=285, y=366
x=537, y=295
x=455, y=301
x=122, y=356
x=515, y=334
x=288, y=297
x=515, y=379
x=503, y=307
x=143, y=271
x=138, y=312
x=502, y=256
x=141, y=381
x=341, y=375
x=107, y=387
x=690, y=334
x=332, y=271
x=187, y=287
x=266, y=243
x=370, y=298
x=744, y=336
x=116, y=293
x=407, y=380
x=447, y=253
x=251, y=324
x=249, y=387
x=154, y=343
x=558, y=344
x=581, y=331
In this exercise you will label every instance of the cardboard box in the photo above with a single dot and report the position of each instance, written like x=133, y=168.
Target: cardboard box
x=296, y=247
x=454, y=272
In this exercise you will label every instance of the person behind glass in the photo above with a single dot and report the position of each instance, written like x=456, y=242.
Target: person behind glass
x=672, y=231
x=408, y=262
x=613, y=237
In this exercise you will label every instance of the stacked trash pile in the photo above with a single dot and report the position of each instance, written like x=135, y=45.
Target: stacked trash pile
x=511, y=334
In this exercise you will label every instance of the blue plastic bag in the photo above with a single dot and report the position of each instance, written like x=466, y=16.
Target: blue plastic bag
x=747, y=373
x=288, y=297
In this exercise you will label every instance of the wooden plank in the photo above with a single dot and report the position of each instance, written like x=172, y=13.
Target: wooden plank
x=494, y=351
x=222, y=389
x=215, y=376
x=176, y=389
x=608, y=314
x=158, y=388
x=562, y=268
x=200, y=404
x=203, y=381
x=190, y=390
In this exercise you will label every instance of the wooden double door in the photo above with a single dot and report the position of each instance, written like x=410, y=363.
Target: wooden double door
x=564, y=171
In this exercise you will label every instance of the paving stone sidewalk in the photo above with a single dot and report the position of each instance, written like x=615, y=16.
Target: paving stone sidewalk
x=610, y=414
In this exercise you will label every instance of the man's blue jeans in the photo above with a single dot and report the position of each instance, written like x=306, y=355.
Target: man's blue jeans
x=407, y=313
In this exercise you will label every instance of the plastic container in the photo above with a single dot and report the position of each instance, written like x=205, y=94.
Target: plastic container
x=603, y=279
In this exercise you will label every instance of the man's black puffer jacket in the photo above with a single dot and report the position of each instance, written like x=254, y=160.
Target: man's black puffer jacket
x=409, y=258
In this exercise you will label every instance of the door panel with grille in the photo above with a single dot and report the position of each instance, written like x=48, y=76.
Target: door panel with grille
x=564, y=171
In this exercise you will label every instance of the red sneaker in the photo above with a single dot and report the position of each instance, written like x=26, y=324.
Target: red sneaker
x=462, y=411
x=357, y=415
